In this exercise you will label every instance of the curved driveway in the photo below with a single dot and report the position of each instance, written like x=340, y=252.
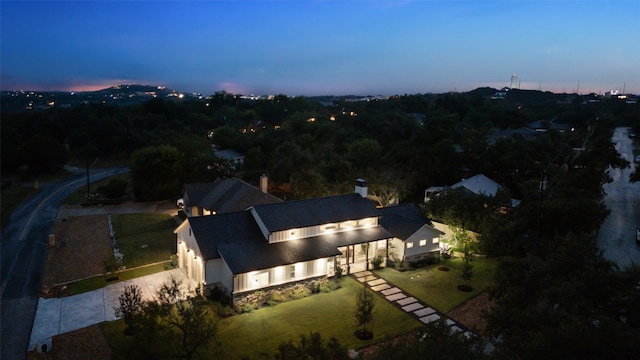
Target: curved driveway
x=24, y=246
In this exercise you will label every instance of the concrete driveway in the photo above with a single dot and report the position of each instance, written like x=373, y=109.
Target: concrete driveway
x=61, y=315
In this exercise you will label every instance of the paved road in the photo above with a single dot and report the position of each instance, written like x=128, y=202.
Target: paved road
x=617, y=234
x=24, y=246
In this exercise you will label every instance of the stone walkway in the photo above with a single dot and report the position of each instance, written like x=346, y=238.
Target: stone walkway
x=409, y=304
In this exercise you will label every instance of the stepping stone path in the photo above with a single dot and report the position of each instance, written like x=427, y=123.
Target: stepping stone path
x=412, y=306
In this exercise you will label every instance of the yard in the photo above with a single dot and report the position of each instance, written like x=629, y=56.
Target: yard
x=144, y=238
x=83, y=244
x=256, y=335
x=438, y=288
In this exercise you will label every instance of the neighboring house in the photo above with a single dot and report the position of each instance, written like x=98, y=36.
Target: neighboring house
x=223, y=196
x=477, y=185
x=276, y=244
x=523, y=133
x=414, y=237
x=549, y=125
x=233, y=157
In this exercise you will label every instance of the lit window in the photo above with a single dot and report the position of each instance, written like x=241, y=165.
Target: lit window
x=293, y=271
x=348, y=224
x=409, y=245
x=330, y=227
x=423, y=242
x=436, y=240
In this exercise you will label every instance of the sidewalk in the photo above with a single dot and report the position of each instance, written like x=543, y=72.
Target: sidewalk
x=412, y=306
x=60, y=315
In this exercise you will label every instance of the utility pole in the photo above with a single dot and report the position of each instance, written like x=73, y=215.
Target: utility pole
x=541, y=188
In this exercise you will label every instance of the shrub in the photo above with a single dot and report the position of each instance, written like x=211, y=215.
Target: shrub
x=339, y=271
x=115, y=188
x=218, y=293
x=377, y=262
x=173, y=262
x=222, y=310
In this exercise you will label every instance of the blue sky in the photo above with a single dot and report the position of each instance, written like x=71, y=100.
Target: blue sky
x=365, y=47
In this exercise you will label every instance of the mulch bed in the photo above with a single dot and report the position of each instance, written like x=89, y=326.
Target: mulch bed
x=82, y=245
x=470, y=314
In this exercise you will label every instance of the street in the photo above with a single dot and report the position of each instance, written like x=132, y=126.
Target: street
x=24, y=247
x=617, y=234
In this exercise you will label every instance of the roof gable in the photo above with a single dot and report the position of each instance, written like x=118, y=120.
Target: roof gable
x=479, y=185
x=311, y=212
x=211, y=232
x=226, y=195
x=402, y=221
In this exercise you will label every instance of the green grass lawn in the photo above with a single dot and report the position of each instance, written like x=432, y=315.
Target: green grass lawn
x=80, y=195
x=144, y=238
x=98, y=282
x=438, y=288
x=256, y=335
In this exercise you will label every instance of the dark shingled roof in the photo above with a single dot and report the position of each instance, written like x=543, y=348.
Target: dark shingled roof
x=237, y=239
x=403, y=220
x=214, y=231
x=312, y=212
x=245, y=256
x=226, y=195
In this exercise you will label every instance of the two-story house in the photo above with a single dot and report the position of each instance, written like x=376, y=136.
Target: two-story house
x=270, y=245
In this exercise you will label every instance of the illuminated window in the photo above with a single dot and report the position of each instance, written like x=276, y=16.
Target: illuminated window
x=330, y=227
x=423, y=242
x=409, y=245
x=348, y=224
x=436, y=240
x=293, y=271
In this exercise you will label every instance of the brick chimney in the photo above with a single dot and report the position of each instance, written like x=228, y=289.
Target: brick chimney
x=264, y=183
x=361, y=187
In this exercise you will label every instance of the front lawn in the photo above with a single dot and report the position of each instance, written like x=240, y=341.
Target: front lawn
x=256, y=335
x=438, y=288
x=144, y=238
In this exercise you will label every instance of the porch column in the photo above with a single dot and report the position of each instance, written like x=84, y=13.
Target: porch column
x=367, y=255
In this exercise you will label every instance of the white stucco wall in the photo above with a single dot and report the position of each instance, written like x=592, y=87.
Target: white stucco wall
x=417, y=249
x=189, y=256
x=217, y=271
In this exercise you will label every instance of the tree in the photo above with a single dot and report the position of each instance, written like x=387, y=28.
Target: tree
x=180, y=324
x=568, y=303
x=365, y=302
x=468, y=247
x=312, y=347
x=110, y=265
x=157, y=172
x=466, y=273
x=43, y=154
x=131, y=306
x=445, y=256
x=436, y=340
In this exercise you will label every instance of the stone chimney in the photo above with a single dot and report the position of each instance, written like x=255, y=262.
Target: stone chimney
x=264, y=183
x=361, y=187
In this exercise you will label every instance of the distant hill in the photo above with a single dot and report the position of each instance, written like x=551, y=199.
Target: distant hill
x=121, y=95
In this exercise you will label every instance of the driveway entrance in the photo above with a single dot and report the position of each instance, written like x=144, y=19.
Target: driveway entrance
x=61, y=315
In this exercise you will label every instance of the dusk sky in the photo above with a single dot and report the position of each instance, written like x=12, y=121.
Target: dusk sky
x=321, y=47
